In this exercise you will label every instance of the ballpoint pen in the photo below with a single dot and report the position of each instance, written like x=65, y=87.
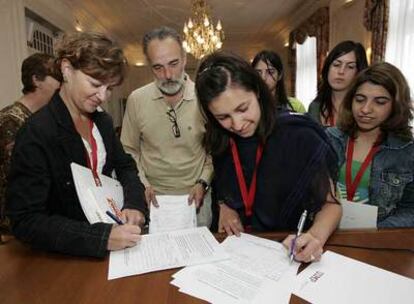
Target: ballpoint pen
x=114, y=217
x=301, y=224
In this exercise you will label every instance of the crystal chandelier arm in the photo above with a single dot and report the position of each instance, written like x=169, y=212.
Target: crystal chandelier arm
x=200, y=36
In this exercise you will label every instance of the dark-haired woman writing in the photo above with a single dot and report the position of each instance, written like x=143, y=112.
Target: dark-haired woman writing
x=269, y=168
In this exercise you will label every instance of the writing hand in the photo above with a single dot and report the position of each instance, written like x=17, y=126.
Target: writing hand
x=123, y=236
x=307, y=248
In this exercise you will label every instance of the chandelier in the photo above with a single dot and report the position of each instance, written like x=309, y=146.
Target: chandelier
x=200, y=36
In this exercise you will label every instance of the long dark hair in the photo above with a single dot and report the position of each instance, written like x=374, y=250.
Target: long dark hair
x=272, y=59
x=324, y=96
x=215, y=74
x=391, y=79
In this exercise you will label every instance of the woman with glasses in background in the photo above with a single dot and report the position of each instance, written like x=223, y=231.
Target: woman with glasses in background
x=269, y=66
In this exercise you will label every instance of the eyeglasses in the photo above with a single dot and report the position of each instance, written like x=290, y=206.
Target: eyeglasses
x=172, y=115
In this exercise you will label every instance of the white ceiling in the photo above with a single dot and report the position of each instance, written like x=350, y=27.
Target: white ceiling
x=249, y=25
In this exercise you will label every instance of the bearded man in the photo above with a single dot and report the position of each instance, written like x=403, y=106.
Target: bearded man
x=163, y=127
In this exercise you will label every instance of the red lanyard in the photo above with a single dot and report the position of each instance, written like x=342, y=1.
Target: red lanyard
x=331, y=120
x=94, y=155
x=247, y=196
x=351, y=186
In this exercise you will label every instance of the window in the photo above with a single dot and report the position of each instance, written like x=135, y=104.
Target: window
x=306, y=71
x=41, y=34
x=400, y=41
x=42, y=42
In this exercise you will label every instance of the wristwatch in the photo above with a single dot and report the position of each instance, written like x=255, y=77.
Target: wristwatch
x=203, y=183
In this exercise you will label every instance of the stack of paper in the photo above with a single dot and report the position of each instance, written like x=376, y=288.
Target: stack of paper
x=258, y=271
x=164, y=251
x=339, y=279
x=96, y=200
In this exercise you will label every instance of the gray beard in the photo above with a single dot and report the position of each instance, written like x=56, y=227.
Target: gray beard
x=171, y=87
x=170, y=90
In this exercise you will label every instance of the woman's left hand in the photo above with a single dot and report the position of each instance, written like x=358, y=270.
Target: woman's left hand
x=133, y=217
x=307, y=249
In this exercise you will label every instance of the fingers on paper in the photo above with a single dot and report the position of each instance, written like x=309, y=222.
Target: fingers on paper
x=287, y=242
x=123, y=236
x=196, y=196
x=308, y=248
x=233, y=226
x=151, y=197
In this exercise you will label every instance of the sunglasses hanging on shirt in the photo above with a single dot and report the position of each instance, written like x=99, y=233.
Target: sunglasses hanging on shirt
x=172, y=115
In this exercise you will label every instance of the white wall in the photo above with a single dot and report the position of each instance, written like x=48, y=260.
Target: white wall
x=12, y=49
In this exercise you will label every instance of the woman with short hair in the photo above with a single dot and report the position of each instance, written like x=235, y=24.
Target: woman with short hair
x=42, y=202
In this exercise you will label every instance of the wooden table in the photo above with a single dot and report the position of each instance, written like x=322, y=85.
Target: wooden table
x=30, y=276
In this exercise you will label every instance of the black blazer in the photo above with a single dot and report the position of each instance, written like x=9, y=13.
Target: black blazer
x=41, y=198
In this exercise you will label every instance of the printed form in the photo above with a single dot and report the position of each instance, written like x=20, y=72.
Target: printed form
x=164, y=251
x=258, y=271
x=173, y=213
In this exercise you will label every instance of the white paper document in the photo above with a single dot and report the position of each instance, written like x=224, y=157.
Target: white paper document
x=258, y=271
x=164, y=251
x=173, y=213
x=357, y=216
x=95, y=201
x=339, y=279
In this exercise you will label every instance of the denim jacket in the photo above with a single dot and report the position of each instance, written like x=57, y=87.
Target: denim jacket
x=391, y=185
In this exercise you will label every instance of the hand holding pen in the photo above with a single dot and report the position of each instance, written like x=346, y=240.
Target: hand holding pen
x=122, y=235
x=115, y=218
x=301, y=224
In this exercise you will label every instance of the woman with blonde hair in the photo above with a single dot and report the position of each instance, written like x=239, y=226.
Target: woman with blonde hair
x=42, y=202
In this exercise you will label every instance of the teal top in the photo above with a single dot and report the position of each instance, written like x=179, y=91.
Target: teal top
x=361, y=193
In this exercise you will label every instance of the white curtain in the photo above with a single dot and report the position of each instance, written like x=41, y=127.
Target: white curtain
x=400, y=40
x=306, y=71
